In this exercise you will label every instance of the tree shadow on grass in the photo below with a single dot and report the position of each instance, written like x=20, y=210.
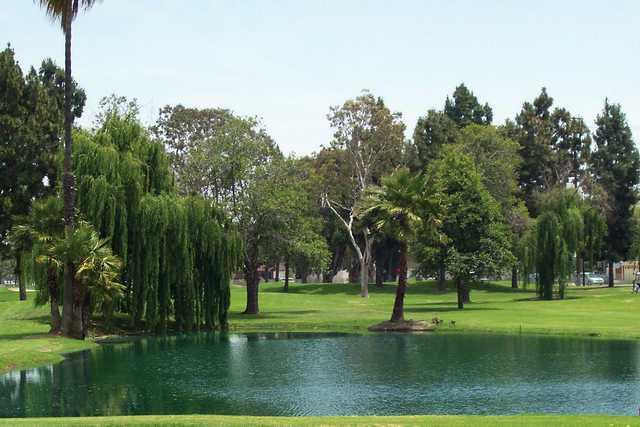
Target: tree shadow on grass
x=23, y=336
x=451, y=307
x=415, y=288
x=269, y=314
x=536, y=299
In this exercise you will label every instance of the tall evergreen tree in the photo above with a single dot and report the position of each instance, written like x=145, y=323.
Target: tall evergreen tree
x=432, y=132
x=463, y=108
x=31, y=120
x=615, y=165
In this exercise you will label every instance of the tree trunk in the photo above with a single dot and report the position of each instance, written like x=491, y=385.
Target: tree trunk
x=466, y=294
x=77, y=329
x=584, y=276
x=364, y=279
x=611, y=273
x=441, y=274
x=514, y=277
x=252, y=279
x=68, y=180
x=398, y=304
x=379, y=277
x=54, y=295
x=277, y=269
x=22, y=287
x=578, y=264
x=286, y=274
x=459, y=287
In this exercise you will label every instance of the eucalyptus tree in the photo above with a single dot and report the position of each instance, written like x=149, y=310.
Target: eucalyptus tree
x=398, y=208
x=65, y=11
x=372, y=138
x=331, y=170
x=615, y=164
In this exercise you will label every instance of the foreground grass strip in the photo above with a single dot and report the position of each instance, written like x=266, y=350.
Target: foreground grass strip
x=426, y=420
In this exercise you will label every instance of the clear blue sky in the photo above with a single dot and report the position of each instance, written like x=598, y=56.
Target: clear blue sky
x=288, y=61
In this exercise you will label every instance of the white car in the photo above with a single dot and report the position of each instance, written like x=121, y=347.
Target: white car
x=593, y=279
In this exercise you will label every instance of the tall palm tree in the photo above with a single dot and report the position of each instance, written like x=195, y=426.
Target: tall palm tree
x=65, y=11
x=398, y=208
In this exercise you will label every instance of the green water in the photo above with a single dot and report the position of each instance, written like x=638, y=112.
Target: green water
x=329, y=374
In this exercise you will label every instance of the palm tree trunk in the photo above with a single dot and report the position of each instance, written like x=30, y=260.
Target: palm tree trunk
x=68, y=180
x=398, y=305
x=54, y=295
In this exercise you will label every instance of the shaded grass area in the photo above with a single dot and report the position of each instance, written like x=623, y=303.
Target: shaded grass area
x=445, y=421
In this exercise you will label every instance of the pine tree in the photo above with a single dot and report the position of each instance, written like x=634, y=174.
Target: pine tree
x=615, y=164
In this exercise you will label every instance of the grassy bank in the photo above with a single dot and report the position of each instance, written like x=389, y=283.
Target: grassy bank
x=23, y=335
x=444, y=421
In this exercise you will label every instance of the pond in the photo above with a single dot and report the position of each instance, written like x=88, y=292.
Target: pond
x=332, y=374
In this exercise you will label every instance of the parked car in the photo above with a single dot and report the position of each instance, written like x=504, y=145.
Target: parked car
x=592, y=279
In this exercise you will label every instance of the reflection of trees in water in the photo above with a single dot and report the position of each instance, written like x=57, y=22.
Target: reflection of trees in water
x=302, y=373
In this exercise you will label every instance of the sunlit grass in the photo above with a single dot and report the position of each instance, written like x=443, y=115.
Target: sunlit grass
x=444, y=421
x=602, y=312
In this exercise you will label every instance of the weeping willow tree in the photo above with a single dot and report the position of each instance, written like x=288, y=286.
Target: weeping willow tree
x=560, y=232
x=178, y=252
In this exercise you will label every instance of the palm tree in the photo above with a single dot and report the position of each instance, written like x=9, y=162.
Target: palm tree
x=398, y=208
x=44, y=225
x=96, y=272
x=66, y=11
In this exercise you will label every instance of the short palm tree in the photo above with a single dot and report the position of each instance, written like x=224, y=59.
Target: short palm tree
x=65, y=11
x=95, y=276
x=398, y=208
x=43, y=226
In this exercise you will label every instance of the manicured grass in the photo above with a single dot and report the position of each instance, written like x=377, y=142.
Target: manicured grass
x=444, y=421
x=23, y=335
x=495, y=308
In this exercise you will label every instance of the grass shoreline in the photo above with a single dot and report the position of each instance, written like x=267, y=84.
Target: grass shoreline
x=410, y=420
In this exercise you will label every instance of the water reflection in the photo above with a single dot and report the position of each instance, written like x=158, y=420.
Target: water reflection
x=332, y=374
